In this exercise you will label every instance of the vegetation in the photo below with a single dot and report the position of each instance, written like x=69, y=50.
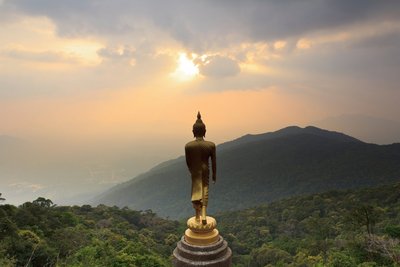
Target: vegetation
x=348, y=228
x=41, y=234
x=338, y=228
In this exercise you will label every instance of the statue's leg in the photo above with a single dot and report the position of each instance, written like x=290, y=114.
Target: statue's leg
x=204, y=203
x=197, y=208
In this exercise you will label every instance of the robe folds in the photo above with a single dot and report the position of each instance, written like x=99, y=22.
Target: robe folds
x=198, y=154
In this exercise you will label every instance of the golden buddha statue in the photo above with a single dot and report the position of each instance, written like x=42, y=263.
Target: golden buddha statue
x=201, y=245
x=198, y=154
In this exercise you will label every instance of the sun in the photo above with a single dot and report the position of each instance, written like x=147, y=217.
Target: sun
x=186, y=69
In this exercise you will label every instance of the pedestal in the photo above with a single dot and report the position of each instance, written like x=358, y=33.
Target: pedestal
x=202, y=246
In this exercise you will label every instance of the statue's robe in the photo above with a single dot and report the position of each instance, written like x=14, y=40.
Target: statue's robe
x=198, y=153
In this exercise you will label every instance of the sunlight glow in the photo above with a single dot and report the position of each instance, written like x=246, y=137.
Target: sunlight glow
x=186, y=69
x=84, y=50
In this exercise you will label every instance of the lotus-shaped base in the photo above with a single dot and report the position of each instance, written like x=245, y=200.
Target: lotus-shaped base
x=201, y=234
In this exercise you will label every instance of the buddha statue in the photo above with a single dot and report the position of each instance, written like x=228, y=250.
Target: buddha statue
x=198, y=154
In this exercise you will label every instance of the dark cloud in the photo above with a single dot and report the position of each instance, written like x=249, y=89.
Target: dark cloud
x=212, y=25
x=7, y=13
x=76, y=18
x=379, y=40
x=283, y=19
x=369, y=62
x=207, y=24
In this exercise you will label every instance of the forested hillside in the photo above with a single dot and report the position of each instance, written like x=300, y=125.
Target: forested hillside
x=257, y=169
x=336, y=229
x=40, y=234
x=347, y=228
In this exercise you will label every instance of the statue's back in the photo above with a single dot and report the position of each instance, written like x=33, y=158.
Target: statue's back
x=198, y=153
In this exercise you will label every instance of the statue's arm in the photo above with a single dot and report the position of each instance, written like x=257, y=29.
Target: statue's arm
x=187, y=156
x=214, y=163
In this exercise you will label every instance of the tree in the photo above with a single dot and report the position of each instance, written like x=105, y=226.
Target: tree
x=366, y=215
x=43, y=202
x=341, y=259
x=268, y=254
x=2, y=198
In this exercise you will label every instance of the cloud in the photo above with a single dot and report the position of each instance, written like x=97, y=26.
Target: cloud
x=304, y=43
x=243, y=35
x=278, y=45
x=385, y=37
x=219, y=67
x=121, y=54
x=117, y=52
x=205, y=25
x=39, y=56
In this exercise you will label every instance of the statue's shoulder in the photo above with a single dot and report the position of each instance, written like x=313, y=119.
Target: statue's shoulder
x=190, y=144
x=210, y=144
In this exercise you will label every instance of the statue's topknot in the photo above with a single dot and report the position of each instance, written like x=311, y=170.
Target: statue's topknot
x=199, y=128
x=199, y=118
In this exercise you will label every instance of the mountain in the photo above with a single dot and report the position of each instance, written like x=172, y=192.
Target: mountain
x=262, y=168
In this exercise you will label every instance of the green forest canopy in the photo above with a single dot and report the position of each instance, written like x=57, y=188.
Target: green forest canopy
x=337, y=228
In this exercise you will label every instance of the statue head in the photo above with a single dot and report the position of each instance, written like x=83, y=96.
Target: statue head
x=199, y=128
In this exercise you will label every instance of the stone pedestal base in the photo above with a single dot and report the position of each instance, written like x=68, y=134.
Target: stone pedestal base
x=217, y=254
x=202, y=246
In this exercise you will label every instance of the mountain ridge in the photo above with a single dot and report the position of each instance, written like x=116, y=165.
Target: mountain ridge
x=290, y=130
x=255, y=169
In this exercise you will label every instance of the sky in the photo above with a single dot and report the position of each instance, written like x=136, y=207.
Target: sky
x=96, y=92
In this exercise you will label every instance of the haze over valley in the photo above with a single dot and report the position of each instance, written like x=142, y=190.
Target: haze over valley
x=77, y=173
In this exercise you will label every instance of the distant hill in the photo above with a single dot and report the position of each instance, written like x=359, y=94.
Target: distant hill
x=262, y=168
